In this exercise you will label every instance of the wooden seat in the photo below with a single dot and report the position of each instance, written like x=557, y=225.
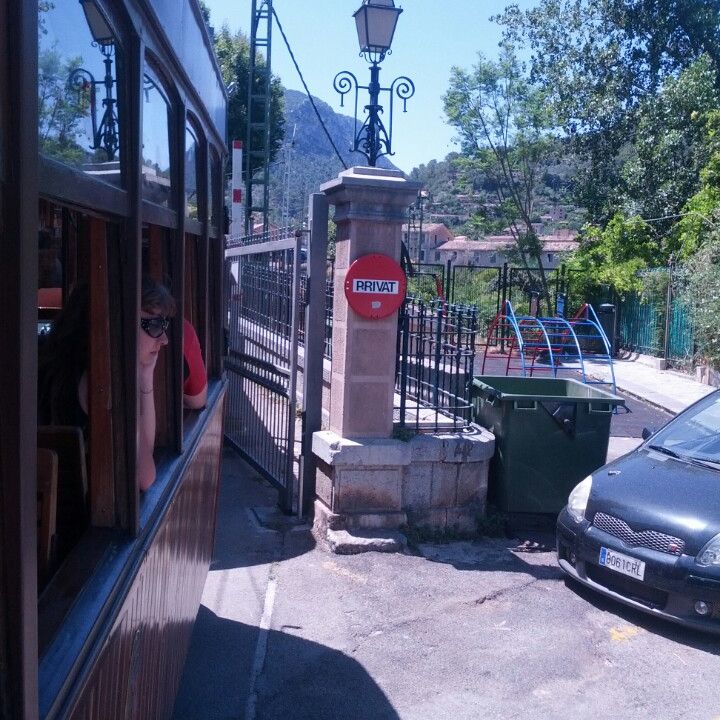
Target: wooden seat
x=47, y=483
x=72, y=487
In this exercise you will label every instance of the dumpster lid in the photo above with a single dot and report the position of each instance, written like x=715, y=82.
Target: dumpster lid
x=542, y=389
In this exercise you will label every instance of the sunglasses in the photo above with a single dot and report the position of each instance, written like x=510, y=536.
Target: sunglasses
x=155, y=326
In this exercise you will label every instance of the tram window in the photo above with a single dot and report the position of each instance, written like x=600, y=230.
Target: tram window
x=157, y=178
x=214, y=179
x=50, y=265
x=192, y=168
x=78, y=104
x=194, y=335
x=75, y=375
x=156, y=263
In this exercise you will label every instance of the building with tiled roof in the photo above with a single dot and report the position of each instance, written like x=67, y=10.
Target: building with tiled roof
x=423, y=243
x=494, y=250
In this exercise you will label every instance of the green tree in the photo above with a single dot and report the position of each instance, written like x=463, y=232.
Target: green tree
x=698, y=283
x=60, y=109
x=700, y=219
x=504, y=131
x=233, y=53
x=597, y=60
x=615, y=255
x=671, y=144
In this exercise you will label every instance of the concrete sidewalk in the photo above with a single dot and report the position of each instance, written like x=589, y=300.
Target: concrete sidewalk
x=667, y=389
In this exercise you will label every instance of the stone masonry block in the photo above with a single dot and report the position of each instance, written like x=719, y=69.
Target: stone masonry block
x=339, y=339
x=462, y=519
x=370, y=406
x=367, y=490
x=342, y=254
x=370, y=354
x=370, y=452
x=337, y=402
x=467, y=447
x=417, y=486
x=324, y=483
x=375, y=521
x=435, y=518
x=426, y=448
x=444, y=485
x=472, y=483
x=340, y=303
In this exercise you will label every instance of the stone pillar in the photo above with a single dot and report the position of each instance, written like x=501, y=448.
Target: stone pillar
x=370, y=209
x=367, y=481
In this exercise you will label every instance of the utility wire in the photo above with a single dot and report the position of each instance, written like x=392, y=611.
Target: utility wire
x=307, y=91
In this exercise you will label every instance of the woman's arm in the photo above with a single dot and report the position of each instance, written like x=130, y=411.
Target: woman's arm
x=146, y=429
x=195, y=380
x=196, y=402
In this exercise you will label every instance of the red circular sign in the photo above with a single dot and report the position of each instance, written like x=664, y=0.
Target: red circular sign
x=375, y=286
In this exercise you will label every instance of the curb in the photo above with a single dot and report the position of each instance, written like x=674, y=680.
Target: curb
x=647, y=400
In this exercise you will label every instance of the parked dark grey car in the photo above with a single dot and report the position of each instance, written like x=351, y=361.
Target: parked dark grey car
x=645, y=529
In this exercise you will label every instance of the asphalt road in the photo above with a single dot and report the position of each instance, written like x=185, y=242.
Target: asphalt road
x=636, y=415
x=485, y=629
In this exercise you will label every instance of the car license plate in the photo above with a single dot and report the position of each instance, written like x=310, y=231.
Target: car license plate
x=630, y=566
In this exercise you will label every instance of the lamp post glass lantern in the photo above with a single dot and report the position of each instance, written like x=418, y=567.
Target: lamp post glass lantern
x=375, y=21
x=105, y=133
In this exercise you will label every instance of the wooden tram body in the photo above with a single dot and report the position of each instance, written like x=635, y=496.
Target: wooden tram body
x=100, y=629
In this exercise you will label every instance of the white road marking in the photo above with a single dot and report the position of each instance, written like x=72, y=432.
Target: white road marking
x=261, y=647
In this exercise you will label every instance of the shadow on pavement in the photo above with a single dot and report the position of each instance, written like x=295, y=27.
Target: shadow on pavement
x=533, y=557
x=303, y=680
x=240, y=538
x=696, y=639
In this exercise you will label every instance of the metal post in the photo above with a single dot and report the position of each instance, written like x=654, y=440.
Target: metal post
x=405, y=332
x=438, y=345
x=372, y=140
x=503, y=282
x=449, y=289
x=294, y=319
x=314, y=343
x=668, y=308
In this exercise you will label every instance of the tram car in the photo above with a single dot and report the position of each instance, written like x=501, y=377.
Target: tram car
x=112, y=147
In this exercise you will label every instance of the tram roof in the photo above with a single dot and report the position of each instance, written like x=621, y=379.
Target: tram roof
x=187, y=34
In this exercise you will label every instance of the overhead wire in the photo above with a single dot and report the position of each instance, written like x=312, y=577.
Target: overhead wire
x=307, y=91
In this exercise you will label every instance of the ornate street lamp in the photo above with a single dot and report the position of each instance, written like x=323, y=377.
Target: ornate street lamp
x=105, y=134
x=375, y=21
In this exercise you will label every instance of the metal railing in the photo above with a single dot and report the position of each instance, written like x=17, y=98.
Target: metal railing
x=329, y=291
x=658, y=320
x=435, y=363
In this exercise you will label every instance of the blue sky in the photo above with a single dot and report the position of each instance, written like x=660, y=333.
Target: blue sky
x=431, y=37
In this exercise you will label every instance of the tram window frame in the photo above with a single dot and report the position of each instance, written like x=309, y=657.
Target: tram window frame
x=152, y=68
x=55, y=178
x=200, y=215
x=94, y=240
x=157, y=262
x=3, y=102
x=214, y=190
x=214, y=349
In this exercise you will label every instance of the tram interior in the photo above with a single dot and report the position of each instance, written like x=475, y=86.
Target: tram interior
x=75, y=471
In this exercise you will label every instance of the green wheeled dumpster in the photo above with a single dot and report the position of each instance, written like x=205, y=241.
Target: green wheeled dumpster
x=549, y=434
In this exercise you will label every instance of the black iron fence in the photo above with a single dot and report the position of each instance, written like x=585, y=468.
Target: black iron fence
x=329, y=291
x=435, y=363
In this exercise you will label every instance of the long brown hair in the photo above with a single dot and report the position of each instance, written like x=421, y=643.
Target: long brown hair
x=64, y=355
x=156, y=298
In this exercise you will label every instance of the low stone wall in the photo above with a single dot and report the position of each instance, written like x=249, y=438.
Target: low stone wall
x=431, y=481
x=707, y=375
